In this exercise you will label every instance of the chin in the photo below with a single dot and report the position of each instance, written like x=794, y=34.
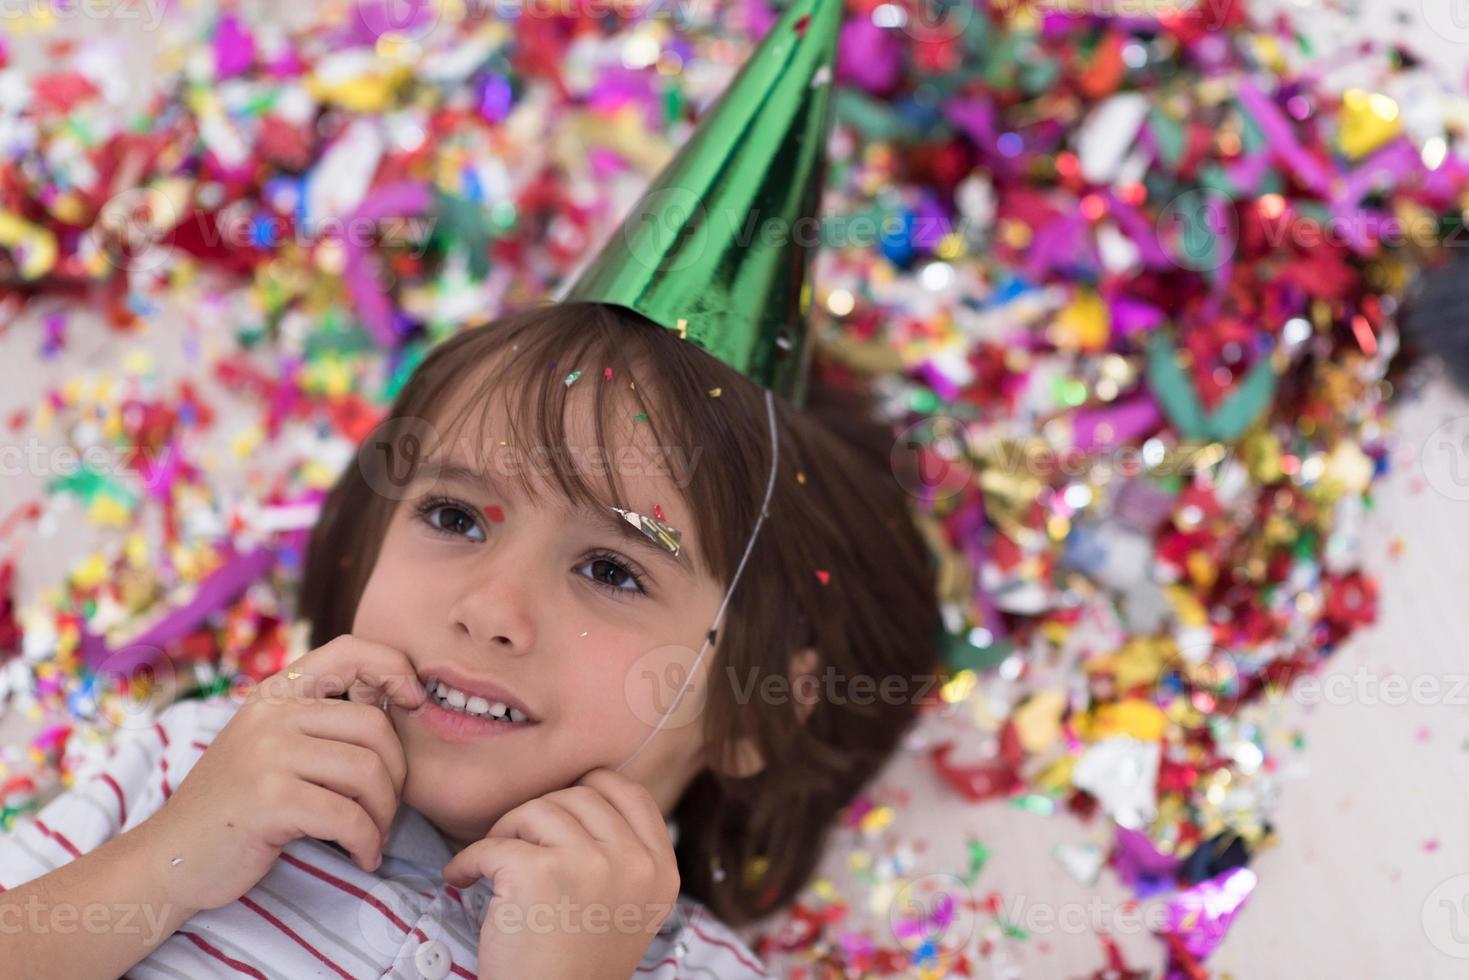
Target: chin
x=464, y=819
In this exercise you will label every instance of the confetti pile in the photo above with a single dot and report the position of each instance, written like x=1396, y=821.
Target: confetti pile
x=1125, y=286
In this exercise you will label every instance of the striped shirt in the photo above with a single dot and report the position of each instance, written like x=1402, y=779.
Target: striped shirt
x=315, y=913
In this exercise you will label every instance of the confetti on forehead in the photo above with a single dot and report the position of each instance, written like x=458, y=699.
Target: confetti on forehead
x=666, y=537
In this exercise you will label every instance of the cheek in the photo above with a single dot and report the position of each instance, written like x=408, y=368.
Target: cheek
x=644, y=688
x=604, y=699
x=393, y=594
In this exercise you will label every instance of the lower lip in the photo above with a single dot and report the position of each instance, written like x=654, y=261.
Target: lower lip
x=458, y=727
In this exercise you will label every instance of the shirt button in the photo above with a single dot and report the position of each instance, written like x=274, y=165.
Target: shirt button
x=433, y=960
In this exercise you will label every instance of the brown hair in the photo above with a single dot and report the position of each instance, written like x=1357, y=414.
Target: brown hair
x=838, y=566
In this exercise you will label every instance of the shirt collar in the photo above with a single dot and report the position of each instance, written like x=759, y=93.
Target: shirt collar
x=412, y=838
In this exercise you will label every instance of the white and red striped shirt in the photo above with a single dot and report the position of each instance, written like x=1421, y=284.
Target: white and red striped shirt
x=315, y=913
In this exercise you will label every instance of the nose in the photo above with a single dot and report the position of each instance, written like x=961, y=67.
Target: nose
x=493, y=607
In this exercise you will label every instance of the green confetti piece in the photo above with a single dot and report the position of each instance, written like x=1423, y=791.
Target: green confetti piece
x=1035, y=803
x=413, y=355
x=925, y=401
x=1213, y=177
x=1070, y=392
x=978, y=856
x=460, y=223
x=959, y=654
x=1175, y=392
x=673, y=105
x=872, y=118
x=1169, y=135
x=338, y=338
x=1011, y=930
x=1039, y=76
x=89, y=484
x=503, y=216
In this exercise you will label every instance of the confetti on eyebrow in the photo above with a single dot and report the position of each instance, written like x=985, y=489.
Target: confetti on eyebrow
x=660, y=533
x=572, y=377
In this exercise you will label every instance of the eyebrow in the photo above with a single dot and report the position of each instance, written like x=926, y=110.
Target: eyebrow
x=606, y=520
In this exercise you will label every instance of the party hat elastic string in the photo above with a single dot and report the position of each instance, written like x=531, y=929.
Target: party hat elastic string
x=734, y=581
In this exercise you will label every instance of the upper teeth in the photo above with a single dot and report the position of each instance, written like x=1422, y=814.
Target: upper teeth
x=473, y=704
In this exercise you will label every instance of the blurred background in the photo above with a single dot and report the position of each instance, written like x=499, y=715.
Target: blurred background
x=1126, y=277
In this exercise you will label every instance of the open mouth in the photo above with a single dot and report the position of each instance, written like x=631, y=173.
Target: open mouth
x=466, y=707
x=474, y=705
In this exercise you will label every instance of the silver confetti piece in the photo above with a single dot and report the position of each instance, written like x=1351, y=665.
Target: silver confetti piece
x=665, y=536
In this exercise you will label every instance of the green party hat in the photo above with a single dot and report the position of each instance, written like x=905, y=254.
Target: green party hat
x=719, y=245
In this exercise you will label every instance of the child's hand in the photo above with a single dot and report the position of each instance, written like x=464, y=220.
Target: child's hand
x=582, y=879
x=292, y=762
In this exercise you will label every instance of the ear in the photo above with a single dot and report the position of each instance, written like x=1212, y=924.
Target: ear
x=746, y=759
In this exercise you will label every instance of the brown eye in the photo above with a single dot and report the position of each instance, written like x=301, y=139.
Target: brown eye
x=451, y=518
x=613, y=574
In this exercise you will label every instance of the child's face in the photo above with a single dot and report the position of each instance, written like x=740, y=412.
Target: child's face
x=525, y=596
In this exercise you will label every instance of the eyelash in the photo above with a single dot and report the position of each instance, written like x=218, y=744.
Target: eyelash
x=424, y=509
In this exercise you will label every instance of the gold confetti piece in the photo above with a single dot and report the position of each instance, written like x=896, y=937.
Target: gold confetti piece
x=715, y=392
x=661, y=534
x=292, y=675
x=801, y=478
x=683, y=329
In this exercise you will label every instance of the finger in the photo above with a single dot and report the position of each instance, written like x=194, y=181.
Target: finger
x=602, y=820
x=636, y=805
x=365, y=671
x=490, y=857
x=361, y=725
x=541, y=822
x=353, y=771
x=318, y=812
